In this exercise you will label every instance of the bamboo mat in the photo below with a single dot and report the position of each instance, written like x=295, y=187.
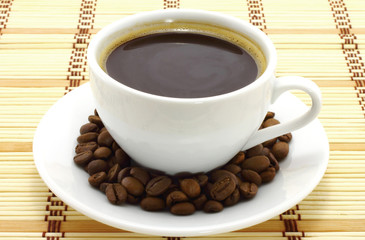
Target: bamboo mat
x=42, y=57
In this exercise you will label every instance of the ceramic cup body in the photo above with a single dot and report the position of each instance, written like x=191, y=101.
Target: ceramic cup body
x=186, y=135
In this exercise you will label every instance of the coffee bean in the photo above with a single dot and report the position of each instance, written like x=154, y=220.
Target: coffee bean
x=212, y=206
x=202, y=179
x=238, y=159
x=102, y=152
x=251, y=176
x=268, y=175
x=116, y=193
x=141, y=174
x=133, y=186
x=82, y=147
x=270, y=122
x=254, y=151
x=190, y=187
x=286, y=137
x=125, y=172
x=200, y=201
x=257, y=163
x=280, y=150
x=248, y=190
x=83, y=158
x=152, y=204
x=105, y=139
x=220, y=173
x=175, y=197
x=183, y=208
x=233, y=168
x=222, y=188
x=103, y=130
x=103, y=186
x=96, y=120
x=115, y=146
x=233, y=198
x=122, y=158
x=269, y=115
x=87, y=137
x=97, y=165
x=273, y=161
x=269, y=143
x=89, y=127
x=96, y=112
x=158, y=185
x=96, y=179
x=113, y=173
x=133, y=199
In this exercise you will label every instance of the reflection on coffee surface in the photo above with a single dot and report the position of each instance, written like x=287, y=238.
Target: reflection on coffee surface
x=182, y=64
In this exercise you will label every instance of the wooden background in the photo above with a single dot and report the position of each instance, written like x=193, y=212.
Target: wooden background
x=42, y=57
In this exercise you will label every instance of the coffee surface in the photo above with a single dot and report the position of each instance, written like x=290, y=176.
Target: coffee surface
x=181, y=65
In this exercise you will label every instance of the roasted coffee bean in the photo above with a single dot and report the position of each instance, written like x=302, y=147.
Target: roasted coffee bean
x=286, y=137
x=96, y=179
x=238, y=159
x=248, y=190
x=133, y=199
x=222, y=188
x=141, y=174
x=183, y=208
x=115, y=146
x=102, y=152
x=273, y=161
x=158, y=185
x=269, y=143
x=122, y=158
x=83, y=158
x=96, y=120
x=89, y=127
x=152, y=204
x=133, y=186
x=212, y=206
x=116, y=193
x=97, y=165
x=113, y=173
x=103, y=186
x=200, y=201
x=111, y=161
x=270, y=122
x=96, y=112
x=105, y=139
x=202, y=179
x=82, y=147
x=233, y=198
x=103, y=130
x=255, y=151
x=125, y=172
x=280, y=150
x=190, y=187
x=251, y=176
x=268, y=175
x=87, y=137
x=257, y=163
x=269, y=115
x=220, y=173
x=233, y=168
x=175, y=197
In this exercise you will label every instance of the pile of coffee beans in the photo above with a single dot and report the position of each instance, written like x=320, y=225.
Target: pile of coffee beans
x=113, y=172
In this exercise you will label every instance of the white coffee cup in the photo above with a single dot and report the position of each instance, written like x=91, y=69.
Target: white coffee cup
x=177, y=135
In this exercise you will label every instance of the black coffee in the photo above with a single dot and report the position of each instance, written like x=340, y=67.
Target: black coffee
x=181, y=65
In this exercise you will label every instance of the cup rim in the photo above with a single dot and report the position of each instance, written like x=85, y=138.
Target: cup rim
x=267, y=47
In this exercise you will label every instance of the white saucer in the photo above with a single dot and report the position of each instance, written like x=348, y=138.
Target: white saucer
x=55, y=141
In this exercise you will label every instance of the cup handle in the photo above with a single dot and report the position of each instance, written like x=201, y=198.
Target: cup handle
x=282, y=85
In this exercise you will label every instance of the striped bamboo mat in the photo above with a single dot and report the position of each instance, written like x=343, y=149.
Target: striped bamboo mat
x=42, y=57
